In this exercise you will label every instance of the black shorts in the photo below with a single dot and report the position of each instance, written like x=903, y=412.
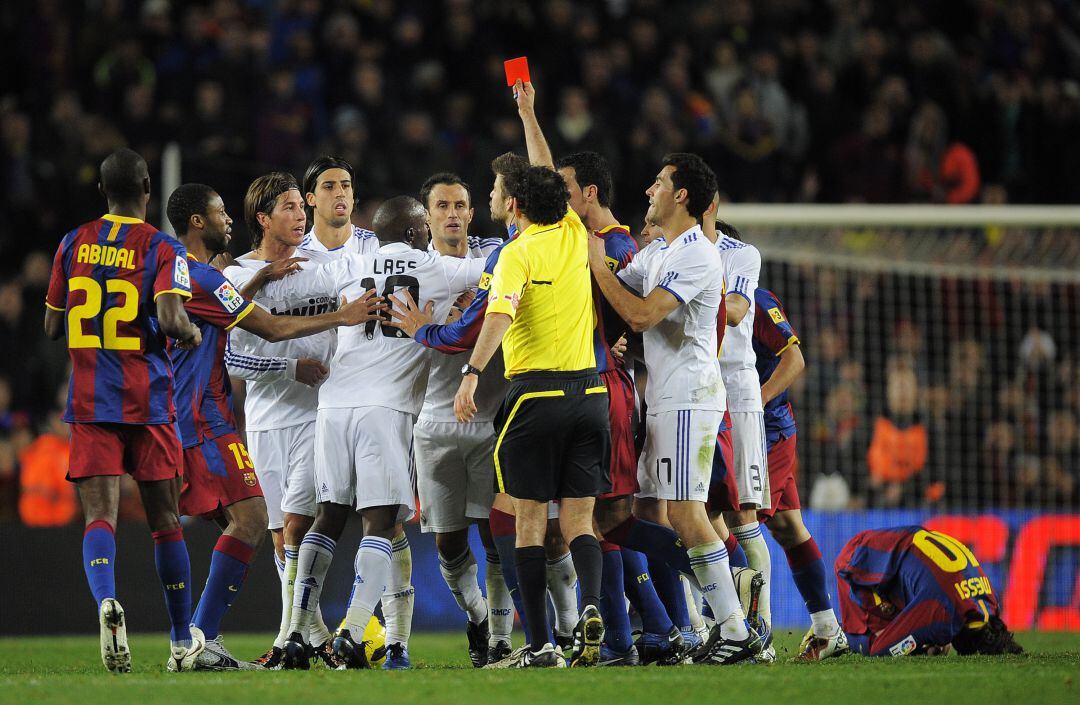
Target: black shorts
x=554, y=437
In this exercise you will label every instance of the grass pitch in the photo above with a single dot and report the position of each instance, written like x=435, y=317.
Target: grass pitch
x=68, y=670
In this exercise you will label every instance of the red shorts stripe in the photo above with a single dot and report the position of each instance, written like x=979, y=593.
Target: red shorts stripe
x=217, y=472
x=147, y=453
x=783, y=475
x=623, y=466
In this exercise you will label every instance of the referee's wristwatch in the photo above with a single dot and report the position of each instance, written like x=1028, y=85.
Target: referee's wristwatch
x=468, y=369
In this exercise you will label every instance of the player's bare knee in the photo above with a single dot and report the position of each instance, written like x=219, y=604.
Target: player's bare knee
x=611, y=512
x=248, y=520
x=330, y=519
x=452, y=543
x=788, y=529
x=381, y=522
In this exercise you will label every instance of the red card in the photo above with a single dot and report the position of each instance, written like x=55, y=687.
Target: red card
x=515, y=69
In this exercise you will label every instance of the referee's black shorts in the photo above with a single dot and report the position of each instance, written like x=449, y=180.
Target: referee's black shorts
x=553, y=436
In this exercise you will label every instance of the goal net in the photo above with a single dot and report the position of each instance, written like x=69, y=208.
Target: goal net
x=942, y=384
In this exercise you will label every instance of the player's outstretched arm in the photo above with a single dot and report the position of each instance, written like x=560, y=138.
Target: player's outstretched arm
x=278, y=328
x=792, y=363
x=537, y=146
x=640, y=314
x=251, y=283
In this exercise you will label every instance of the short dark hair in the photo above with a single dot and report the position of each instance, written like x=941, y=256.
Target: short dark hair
x=992, y=638
x=591, y=169
x=124, y=176
x=509, y=163
x=394, y=218
x=443, y=177
x=187, y=200
x=261, y=197
x=540, y=192
x=694, y=175
x=317, y=167
x=728, y=229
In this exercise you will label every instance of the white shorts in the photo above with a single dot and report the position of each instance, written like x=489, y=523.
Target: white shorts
x=285, y=465
x=750, y=456
x=363, y=458
x=676, y=462
x=455, y=473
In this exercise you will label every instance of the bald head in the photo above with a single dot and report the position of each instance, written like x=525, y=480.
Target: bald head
x=124, y=177
x=402, y=219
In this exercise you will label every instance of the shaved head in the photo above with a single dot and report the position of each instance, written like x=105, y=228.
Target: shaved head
x=124, y=177
x=402, y=219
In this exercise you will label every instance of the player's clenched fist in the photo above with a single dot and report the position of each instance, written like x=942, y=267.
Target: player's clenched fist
x=366, y=308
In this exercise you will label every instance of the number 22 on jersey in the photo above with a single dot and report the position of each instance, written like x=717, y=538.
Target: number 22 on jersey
x=125, y=312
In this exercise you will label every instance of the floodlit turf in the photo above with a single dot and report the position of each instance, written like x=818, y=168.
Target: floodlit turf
x=68, y=670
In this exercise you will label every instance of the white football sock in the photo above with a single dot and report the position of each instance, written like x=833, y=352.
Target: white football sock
x=693, y=603
x=460, y=576
x=397, y=600
x=500, y=604
x=710, y=564
x=825, y=624
x=372, y=570
x=757, y=556
x=562, y=587
x=313, y=560
x=287, y=574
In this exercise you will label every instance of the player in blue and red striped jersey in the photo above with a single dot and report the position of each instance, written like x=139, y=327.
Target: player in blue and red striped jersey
x=907, y=590
x=779, y=361
x=219, y=478
x=117, y=287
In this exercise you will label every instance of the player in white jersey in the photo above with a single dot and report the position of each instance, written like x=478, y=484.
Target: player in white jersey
x=367, y=408
x=455, y=469
x=738, y=364
x=679, y=283
x=328, y=191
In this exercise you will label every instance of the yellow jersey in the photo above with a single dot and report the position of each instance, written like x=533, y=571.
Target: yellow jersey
x=542, y=282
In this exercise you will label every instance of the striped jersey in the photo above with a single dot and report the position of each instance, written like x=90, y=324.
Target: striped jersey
x=362, y=242
x=203, y=393
x=619, y=249
x=106, y=276
x=274, y=398
x=742, y=269
x=773, y=335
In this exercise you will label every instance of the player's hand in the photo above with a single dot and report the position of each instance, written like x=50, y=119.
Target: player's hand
x=524, y=96
x=405, y=315
x=619, y=348
x=222, y=261
x=367, y=308
x=191, y=342
x=460, y=304
x=464, y=404
x=597, y=253
x=281, y=269
x=310, y=372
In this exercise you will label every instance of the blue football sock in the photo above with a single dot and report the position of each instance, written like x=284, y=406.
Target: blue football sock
x=735, y=552
x=808, y=570
x=670, y=591
x=99, y=559
x=174, y=570
x=654, y=540
x=612, y=602
x=642, y=593
x=228, y=568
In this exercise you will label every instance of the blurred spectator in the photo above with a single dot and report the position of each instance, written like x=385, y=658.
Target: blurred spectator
x=939, y=170
x=899, y=445
x=46, y=498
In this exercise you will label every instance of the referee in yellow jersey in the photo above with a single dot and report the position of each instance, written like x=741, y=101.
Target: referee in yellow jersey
x=553, y=428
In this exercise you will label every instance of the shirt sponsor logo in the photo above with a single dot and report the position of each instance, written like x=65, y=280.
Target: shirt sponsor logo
x=904, y=647
x=229, y=297
x=181, y=276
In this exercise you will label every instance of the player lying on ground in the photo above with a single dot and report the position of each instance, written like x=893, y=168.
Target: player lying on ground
x=907, y=590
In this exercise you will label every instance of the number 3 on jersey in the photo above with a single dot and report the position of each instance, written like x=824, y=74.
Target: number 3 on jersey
x=390, y=287
x=114, y=315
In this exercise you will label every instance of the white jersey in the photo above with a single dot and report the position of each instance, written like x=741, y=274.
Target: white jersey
x=362, y=242
x=680, y=350
x=742, y=269
x=378, y=365
x=444, y=378
x=274, y=398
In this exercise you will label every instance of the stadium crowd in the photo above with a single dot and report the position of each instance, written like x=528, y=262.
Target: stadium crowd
x=789, y=101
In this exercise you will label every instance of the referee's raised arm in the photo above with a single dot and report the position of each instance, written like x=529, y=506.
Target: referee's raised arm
x=553, y=427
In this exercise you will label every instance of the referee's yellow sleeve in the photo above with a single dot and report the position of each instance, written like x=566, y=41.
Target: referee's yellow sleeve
x=508, y=281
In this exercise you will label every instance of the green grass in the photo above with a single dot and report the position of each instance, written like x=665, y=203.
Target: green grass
x=68, y=670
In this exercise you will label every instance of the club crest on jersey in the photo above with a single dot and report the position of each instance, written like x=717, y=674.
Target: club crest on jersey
x=904, y=647
x=181, y=276
x=229, y=297
x=249, y=479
